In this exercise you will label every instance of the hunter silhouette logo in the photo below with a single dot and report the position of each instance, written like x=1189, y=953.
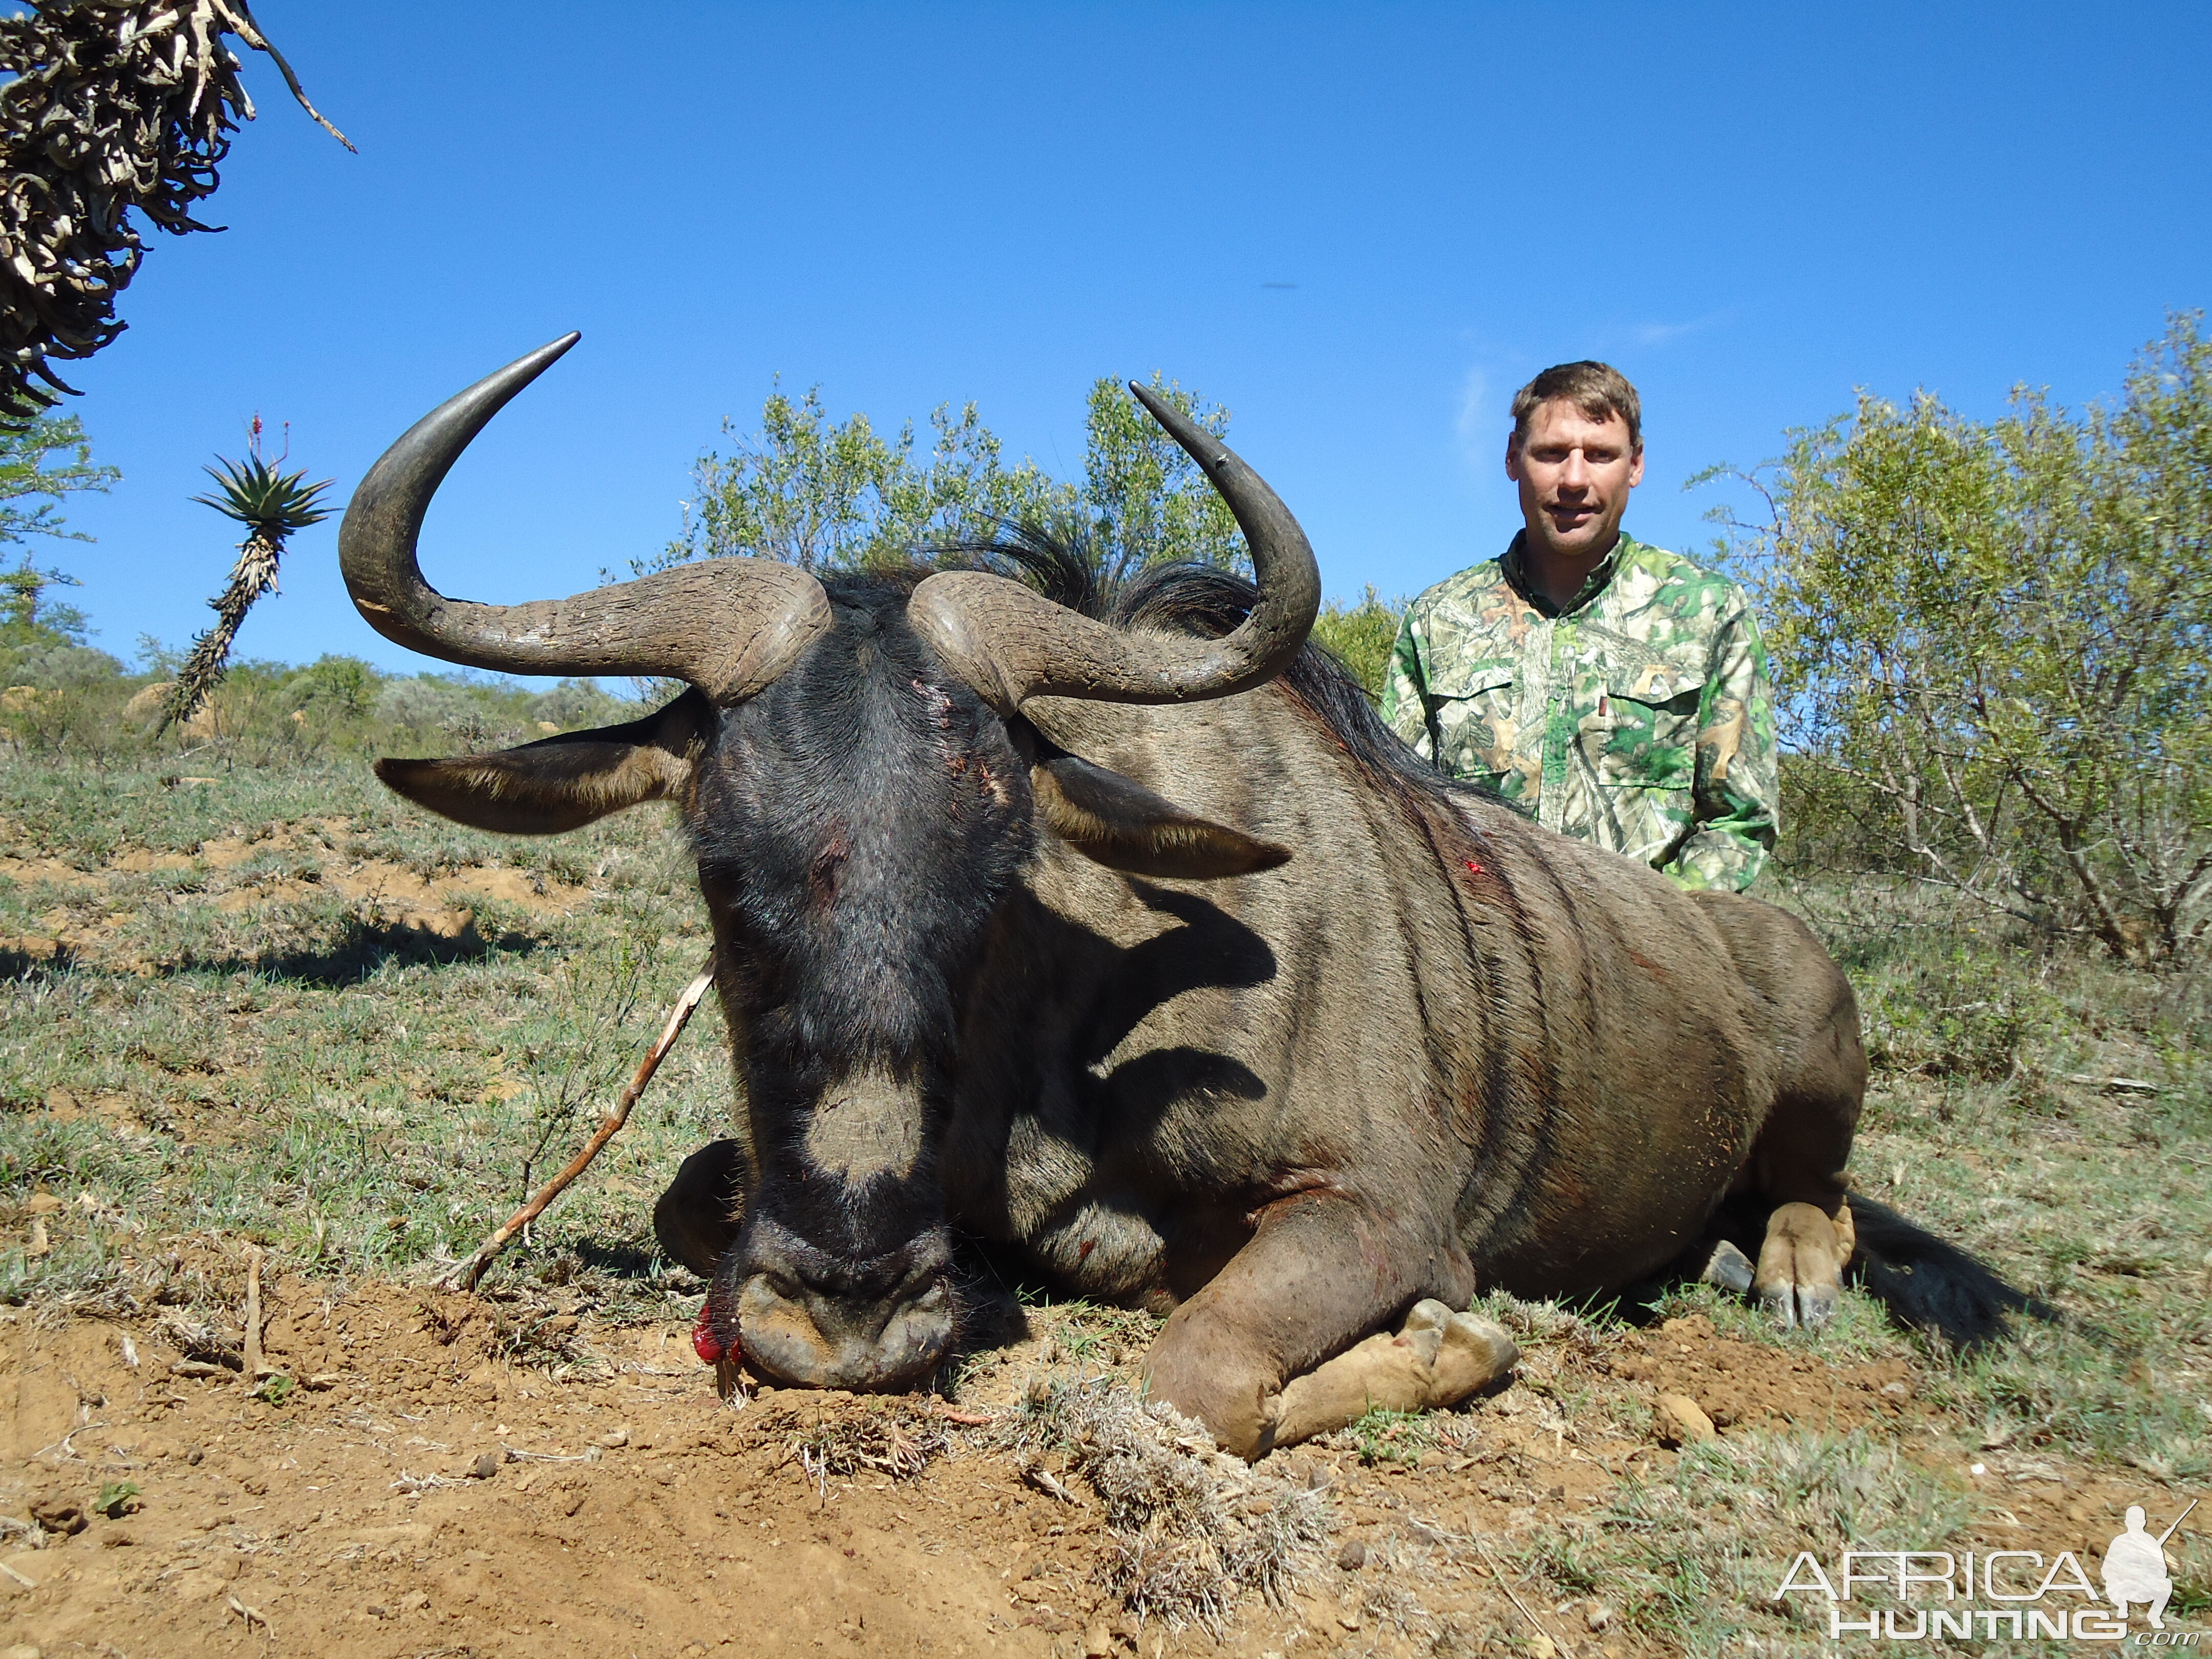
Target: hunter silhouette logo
x=2022, y=1595
x=2135, y=1566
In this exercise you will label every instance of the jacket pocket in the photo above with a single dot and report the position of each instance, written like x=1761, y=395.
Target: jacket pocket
x=1647, y=736
x=1472, y=710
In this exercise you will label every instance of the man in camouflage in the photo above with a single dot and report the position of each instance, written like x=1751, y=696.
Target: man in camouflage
x=1617, y=689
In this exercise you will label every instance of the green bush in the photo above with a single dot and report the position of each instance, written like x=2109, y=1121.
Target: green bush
x=1361, y=636
x=1988, y=641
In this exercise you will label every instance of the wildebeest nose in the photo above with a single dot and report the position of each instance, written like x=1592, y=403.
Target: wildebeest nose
x=869, y=1345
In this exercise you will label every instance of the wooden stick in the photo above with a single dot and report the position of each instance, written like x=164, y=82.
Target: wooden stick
x=464, y=1275
x=257, y=1367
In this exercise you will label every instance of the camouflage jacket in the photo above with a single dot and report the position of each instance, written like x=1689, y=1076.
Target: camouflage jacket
x=1639, y=718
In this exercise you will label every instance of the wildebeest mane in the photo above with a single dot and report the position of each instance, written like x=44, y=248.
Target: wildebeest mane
x=1193, y=597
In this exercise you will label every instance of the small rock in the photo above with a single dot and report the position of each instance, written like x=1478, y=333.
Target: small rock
x=1349, y=1618
x=194, y=1368
x=1598, y=1617
x=1352, y=1556
x=1542, y=1647
x=22, y=1651
x=194, y=1455
x=414, y=1602
x=114, y=1539
x=60, y=1515
x=375, y=1611
x=1097, y=1643
x=1681, y=1421
x=615, y=1437
x=486, y=1465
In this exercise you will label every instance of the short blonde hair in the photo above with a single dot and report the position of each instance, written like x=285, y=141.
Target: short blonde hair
x=1599, y=390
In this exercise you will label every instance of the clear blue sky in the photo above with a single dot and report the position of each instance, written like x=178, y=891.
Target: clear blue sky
x=1751, y=209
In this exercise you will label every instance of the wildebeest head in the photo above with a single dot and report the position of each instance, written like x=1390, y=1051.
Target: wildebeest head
x=862, y=790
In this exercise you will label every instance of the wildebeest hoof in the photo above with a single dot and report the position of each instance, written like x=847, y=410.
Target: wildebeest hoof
x=1728, y=1268
x=1800, y=1280
x=1470, y=1353
x=696, y=1219
x=1435, y=1361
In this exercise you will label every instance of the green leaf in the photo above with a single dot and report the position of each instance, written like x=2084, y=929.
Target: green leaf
x=117, y=1499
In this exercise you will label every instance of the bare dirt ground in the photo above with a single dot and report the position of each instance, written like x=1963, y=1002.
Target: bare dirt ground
x=417, y=1493
x=259, y=873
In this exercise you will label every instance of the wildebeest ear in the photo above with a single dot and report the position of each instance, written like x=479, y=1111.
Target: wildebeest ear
x=1125, y=826
x=564, y=782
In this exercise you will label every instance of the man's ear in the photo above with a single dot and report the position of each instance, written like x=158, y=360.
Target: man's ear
x=564, y=782
x=1125, y=826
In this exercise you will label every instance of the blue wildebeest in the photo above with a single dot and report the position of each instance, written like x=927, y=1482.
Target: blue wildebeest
x=1116, y=931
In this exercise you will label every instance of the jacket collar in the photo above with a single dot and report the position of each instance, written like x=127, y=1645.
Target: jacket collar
x=1513, y=563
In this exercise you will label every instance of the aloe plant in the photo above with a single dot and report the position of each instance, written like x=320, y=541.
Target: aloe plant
x=272, y=505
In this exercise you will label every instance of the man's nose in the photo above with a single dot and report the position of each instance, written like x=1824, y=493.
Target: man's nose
x=1575, y=474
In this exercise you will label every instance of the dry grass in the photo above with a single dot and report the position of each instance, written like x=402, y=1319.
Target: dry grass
x=839, y=1438
x=1193, y=1528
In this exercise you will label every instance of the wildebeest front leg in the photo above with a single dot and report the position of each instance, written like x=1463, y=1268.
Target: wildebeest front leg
x=1320, y=1273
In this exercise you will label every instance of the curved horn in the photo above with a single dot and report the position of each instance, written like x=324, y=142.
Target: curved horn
x=1011, y=644
x=727, y=626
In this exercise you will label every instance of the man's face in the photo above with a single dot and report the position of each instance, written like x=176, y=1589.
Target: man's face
x=1575, y=474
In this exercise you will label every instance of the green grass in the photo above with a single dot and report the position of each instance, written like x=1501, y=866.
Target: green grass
x=1382, y=1435
x=360, y=1098
x=1691, y=1559
x=2097, y=1200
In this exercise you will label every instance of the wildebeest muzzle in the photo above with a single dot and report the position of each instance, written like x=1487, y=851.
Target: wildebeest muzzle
x=806, y=1317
